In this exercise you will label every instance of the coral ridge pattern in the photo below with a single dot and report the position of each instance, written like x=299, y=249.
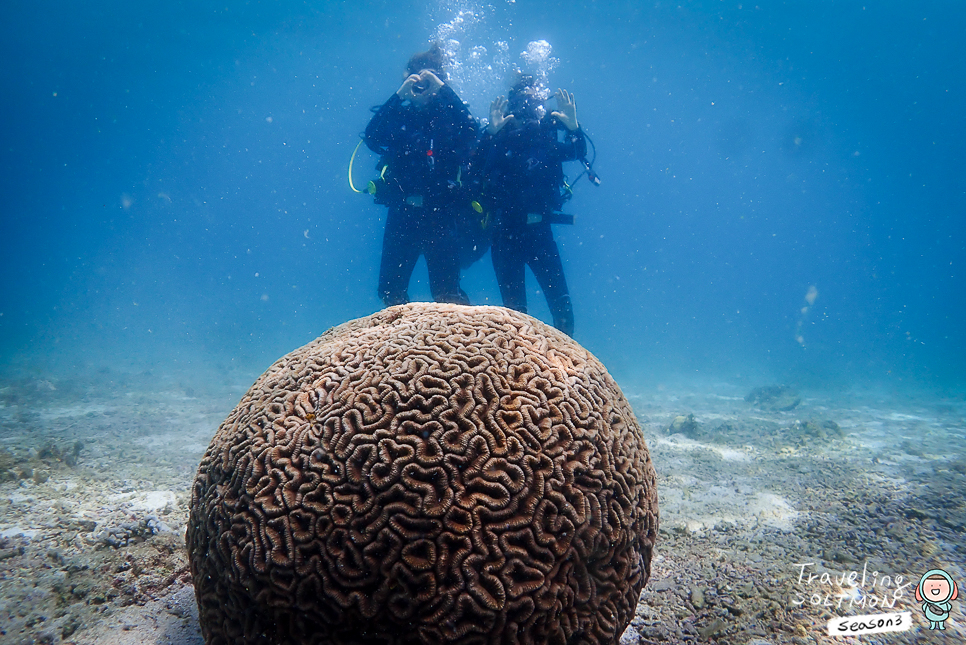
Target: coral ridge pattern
x=428, y=474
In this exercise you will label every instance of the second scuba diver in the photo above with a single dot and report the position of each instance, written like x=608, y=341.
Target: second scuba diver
x=425, y=135
x=522, y=157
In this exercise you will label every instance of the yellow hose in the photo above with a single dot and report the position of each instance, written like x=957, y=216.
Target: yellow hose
x=352, y=159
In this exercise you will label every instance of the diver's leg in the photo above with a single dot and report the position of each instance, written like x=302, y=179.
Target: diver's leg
x=399, y=255
x=442, y=260
x=509, y=265
x=544, y=260
x=563, y=313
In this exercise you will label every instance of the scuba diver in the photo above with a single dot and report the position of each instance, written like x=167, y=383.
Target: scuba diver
x=524, y=189
x=425, y=135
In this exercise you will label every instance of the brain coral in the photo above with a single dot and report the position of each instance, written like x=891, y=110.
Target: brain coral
x=428, y=474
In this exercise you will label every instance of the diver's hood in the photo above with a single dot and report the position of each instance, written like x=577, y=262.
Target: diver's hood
x=525, y=107
x=525, y=115
x=937, y=572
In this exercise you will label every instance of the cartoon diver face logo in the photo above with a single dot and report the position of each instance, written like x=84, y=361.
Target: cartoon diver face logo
x=936, y=590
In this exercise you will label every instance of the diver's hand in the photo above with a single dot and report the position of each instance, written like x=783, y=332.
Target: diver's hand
x=405, y=91
x=566, y=111
x=419, y=88
x=497, y=118
x=429, y=82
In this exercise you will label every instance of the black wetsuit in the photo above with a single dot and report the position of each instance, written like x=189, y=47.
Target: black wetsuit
x=522, y=167
x=424, y=149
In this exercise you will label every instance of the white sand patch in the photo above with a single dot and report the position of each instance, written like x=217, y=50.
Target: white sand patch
x=773, y=510
x=873, y=436
x=72, y=411
x=693, y=509
x=175, y=442
x=148, y=501
x=874, y=444
x=16, y=531
x=732, y=454
x=896, y=416
x=679, y=442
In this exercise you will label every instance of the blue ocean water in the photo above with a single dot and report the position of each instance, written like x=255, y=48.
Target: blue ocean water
x=782, y=196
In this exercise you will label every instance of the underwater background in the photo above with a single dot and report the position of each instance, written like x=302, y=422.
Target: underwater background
x=771, y=268
x=782, y=200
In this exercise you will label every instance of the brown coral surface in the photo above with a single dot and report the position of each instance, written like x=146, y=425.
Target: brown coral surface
x=428, y=474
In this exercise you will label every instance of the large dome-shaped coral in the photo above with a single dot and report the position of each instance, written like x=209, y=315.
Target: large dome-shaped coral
x=428, y=474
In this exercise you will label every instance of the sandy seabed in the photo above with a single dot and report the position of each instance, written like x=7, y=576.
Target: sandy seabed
x=756, y=505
